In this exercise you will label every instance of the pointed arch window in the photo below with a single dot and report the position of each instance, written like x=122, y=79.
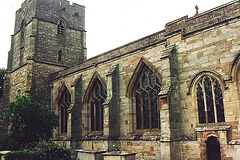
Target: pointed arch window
x=60, y=28
x=64, y=104
x=210, y=100
x=146, y=91
x=96, y=100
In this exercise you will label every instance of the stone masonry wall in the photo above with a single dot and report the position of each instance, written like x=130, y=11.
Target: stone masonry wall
x=21, y=50
x=48, y=43
x=180, y=56
x=188, y=48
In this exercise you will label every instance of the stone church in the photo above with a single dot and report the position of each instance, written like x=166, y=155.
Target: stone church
x=174, y=94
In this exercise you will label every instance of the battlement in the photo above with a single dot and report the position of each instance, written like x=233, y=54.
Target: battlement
x=51, y=11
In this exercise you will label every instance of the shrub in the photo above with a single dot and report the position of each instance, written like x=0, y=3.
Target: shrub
x=42, y=150
x=24, y=155
x=29, y=121
x=4, y=141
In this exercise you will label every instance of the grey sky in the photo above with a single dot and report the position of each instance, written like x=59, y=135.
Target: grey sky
x=112, y=23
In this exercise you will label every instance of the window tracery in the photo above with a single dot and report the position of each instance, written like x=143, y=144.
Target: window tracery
x=147, y=88
x=210, y=100
x=96, y=100
x=64, y=104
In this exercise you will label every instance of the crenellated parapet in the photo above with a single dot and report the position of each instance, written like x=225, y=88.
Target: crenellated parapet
x=51, y=11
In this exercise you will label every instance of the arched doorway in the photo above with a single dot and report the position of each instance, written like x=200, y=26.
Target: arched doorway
x=213, y=149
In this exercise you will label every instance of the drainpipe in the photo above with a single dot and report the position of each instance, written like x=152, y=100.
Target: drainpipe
x=51, y=86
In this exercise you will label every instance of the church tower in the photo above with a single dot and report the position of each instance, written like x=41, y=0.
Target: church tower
x=49, y=36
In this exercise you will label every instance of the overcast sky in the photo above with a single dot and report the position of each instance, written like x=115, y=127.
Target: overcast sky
x=112, y=23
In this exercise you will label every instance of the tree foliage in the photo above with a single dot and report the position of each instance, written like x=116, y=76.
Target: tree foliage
x=29, y=121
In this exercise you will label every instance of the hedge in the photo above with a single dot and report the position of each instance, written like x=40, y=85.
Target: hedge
x=41, y=151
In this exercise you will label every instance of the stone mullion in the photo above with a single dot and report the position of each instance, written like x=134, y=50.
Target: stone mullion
x=205, y=100
x=65, y=117
x=214, y=101
x=100, y=115
x=60, y=120
x=142, y=115
x=94, y=116
x=150, y=110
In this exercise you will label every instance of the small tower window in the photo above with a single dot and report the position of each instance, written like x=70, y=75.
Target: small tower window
x=60, y=29
x=59, y=55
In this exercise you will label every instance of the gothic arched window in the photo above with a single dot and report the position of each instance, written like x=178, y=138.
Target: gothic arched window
x=210, y=100
x=64, y=104
x=146, y=94
x=60, y=28
x=96, y=100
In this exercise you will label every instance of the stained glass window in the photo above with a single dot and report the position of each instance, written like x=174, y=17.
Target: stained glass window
x=210, y=100
x=147, y=88
x=97, y=98
x=64, y=105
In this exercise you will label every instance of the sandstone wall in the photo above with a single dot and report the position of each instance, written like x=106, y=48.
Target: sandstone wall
x=188, y=48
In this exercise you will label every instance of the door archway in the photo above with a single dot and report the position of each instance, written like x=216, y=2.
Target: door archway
x=213, y=148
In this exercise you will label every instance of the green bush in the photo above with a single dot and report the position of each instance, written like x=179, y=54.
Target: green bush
x=29, y=120
x=4, y=141
x=24, y=155
x=42, y=150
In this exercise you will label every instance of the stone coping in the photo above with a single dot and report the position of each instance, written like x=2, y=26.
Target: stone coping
x=234, y=142
x=118, y=153
x=4, y=152
x=212, y=128
x=89, y=151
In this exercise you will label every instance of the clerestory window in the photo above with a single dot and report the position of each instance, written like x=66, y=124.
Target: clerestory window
x=210, y=100
x=146, y=94
x=96, y=100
